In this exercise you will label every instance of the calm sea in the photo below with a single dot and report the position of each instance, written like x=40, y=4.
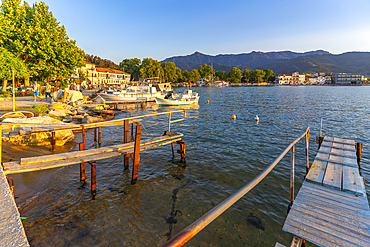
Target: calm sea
x=222, y=156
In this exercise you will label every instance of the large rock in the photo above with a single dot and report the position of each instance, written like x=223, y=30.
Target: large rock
x=26, y=135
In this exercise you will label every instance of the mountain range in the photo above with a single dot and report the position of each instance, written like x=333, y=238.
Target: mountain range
x=281, y=62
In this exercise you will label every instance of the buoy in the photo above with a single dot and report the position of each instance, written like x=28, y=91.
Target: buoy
x=233, y=117
x=207, y=101
x=257, y=118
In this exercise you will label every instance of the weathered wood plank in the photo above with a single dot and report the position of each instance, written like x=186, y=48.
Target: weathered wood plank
x=279, y=245
x=322, y=156
x=333, y=176
x=352, y=181
x=317, y=171
x=12, y=167
x=321, y=227
x=346, y=141
x=327, y=144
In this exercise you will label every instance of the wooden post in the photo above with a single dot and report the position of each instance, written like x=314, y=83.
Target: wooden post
x=53, y=140
x=126, y=139
x=182, y=150
x=83, y=136
x=95, y=134
x=292, y=179
x=358, y=153
x=307, y=158
x=132, y=129
x=99, y=136
x=82, y=167
x=173, y=152
x=135, y=167
x=93, y=180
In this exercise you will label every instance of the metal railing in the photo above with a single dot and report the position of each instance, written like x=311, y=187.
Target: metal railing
x=201, y=223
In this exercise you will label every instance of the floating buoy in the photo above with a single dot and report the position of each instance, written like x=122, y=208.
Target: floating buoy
x=207, y=101
x=257, y=118
x=233, y=117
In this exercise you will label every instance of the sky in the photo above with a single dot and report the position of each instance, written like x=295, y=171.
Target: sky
x=120, y=29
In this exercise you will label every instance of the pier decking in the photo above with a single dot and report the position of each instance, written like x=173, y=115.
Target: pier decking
x=331, y=208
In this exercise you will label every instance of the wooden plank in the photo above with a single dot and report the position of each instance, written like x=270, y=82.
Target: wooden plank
x=328, y=138
x=317, y=171
x=346, y=141
x=322, y=156
x=325, y=149
x=324, y=232
x=337, y=145
x=13, y=167
x=45, y=158
x=279, y=245
x=335, y=224
x=333, y=176
x=352, y=181
x=327, y=144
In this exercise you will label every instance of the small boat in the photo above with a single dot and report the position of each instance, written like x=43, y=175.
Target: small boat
x=187, y=98
x=147, y=93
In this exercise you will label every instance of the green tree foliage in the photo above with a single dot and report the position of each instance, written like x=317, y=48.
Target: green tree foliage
x=222, y=75
x=36, y=37
x=150, y=68
x=171, y=73
x=9, y=62
x=194, y=76
x=235, y=75
x=205, y=71
x=246, y=75
x=185, y=76
x=102, y=63
x=131, y=66
x=269, y=75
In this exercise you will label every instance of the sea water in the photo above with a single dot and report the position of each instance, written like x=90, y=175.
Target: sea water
x=222, y=156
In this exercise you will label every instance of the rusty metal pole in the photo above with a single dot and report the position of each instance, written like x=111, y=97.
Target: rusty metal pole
x=307, y=158
x=83, y=136
x=292, y=179
x=132, y=130
x=182, y=150
x=93, y=180
x=95, y=134
x=135, y=167
x=126, y=139
x=169, y=122
x=99, y=136
x=53, y=140
x=82, y=167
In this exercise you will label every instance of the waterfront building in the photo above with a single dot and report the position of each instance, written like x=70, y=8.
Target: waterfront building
x=348, y=78
x=104, y=76
x=298, y=78
x=284, y=79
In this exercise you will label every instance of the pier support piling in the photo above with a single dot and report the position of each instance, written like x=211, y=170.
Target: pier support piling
x=136, y=157
x=182, y=150
x=358, y=153
x=292, y=179
x=83, y=136
x=53, y=140
x=82, y=167
x=126, y=139
x=95, y=134
x=99, y=137
x=93, y=179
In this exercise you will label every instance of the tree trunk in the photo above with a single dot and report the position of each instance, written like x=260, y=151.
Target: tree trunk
x=4, y=85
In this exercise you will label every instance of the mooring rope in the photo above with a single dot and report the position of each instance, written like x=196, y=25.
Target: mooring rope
x=24, y=217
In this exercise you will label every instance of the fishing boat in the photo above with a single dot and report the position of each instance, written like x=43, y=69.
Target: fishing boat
x=187, y=98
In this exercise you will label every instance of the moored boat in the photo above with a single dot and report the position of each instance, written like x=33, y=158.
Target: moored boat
x=146, y=93
x=187, y=98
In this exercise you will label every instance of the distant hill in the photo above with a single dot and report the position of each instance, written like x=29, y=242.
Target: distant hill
x=280, y=62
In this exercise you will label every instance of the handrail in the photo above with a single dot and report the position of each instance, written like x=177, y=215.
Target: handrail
x=74, y=126
x=202, y=222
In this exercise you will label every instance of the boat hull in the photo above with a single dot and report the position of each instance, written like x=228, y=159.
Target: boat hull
x=172, y=102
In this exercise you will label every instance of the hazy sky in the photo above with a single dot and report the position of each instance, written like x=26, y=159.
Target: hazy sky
x=119, y=29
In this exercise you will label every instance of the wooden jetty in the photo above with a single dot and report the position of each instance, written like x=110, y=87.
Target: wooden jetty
x=331, y=208
x=12, y=232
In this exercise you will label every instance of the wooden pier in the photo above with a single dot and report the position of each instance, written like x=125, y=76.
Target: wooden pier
x=331, y=208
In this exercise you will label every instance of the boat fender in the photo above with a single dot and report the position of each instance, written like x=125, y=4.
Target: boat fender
x=207, y=101
x=233, y=117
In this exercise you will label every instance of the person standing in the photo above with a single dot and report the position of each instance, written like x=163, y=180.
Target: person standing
x=36, y=91
x=47, y=90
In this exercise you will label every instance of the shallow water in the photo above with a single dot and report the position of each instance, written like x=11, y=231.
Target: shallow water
x=222, y=156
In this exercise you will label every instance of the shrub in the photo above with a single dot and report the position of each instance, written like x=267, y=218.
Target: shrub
x=42, y=109
x=5, y=94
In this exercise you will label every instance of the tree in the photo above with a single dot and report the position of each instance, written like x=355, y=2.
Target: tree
x=36, y=37
x=235, y=75
x=170, y=72
x=269, y=75
x=102, y=63
x=222, y=75
x=205, y=71
x=131, y=66
x=150, y=68
x=185, y=76
x=258, y=75
x=9, y=62
x=246, y=75
x=194, y=76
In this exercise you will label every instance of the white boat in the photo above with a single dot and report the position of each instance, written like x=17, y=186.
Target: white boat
x=187, y=98
x=147, y=93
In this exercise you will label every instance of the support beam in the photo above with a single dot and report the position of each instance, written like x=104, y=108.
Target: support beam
x=182, y=150
x=53, y=140
x=83, y=136
x=358, y=152
x=93, y=179
x=99, y=136
x=135, y=167
x=95, y=134
x=82, y=167
x=126, y=137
